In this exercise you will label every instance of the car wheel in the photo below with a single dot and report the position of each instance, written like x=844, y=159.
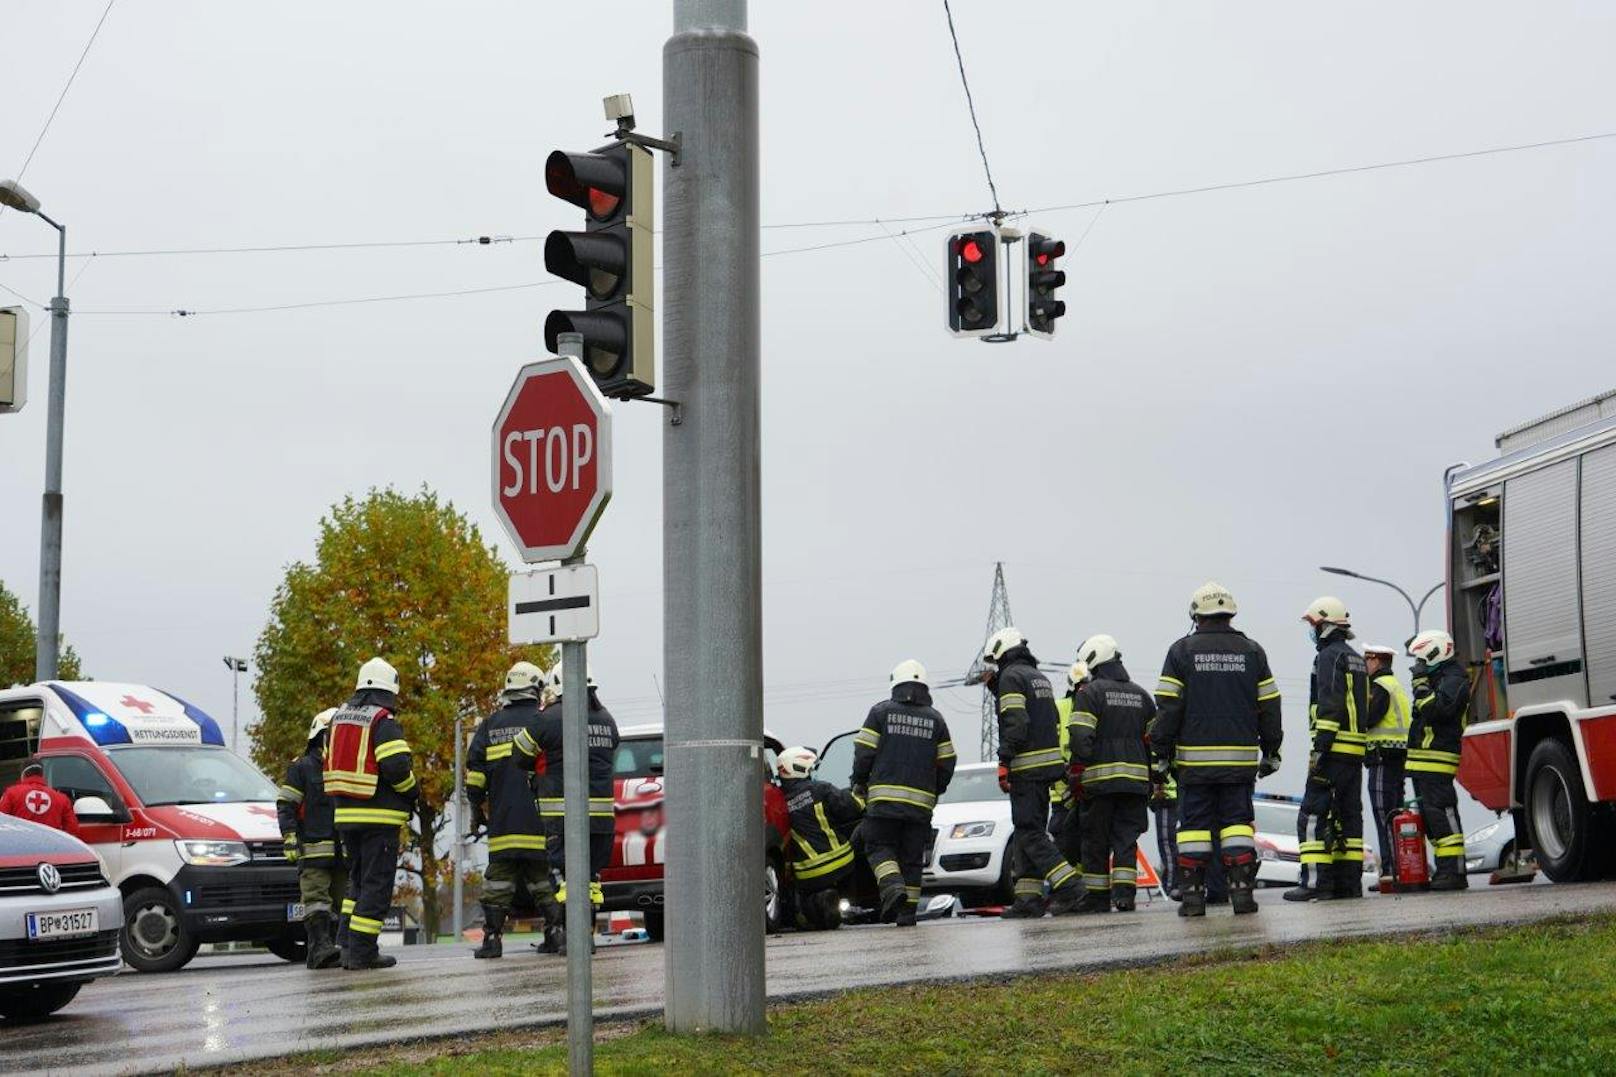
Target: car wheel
x=1558, y=815
x=656, y=925
x=775, y=897
x=154, y=937
x=35, y=1002
x=293, y=948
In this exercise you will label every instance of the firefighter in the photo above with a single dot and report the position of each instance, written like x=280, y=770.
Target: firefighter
x=903, y=761
x=1065, y=805
x=502, y=801
x=1164, y=812
x=1110, y=722
x=1330, y=824
x=1389, y=714
x=1217, y=731
x=542, y=748
x=822, y=817
x=309, y=831
x=1441, y=712
x=372, y=785
x=1029, y=760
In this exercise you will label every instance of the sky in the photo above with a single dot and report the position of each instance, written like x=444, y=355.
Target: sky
x=1248, y=384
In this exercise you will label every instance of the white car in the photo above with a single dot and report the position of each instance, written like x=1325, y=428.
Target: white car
x=970, y=851
x=1278, y=853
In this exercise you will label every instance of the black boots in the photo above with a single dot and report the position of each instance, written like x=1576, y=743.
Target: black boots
x=1348, y=879
x=1193, y=892
x=1313, y=884
x=1091, y=901
x=1242, y=887
x=493, y=944
x=1122, y=898
x=1449, y=875
x=1025, y=907
x=363, y=953
x=323, y=953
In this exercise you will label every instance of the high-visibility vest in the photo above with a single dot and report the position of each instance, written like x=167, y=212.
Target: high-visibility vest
x=1392, y=730
x=1060, y=791
x=350, y=759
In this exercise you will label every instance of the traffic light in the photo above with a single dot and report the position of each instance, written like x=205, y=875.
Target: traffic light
x=1042, y=280
x=973, y=283
x=611, y=258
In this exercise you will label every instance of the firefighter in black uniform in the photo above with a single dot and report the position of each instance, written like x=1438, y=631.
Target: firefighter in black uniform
x=502, y=801
x=1111, y=719
x=1029, y=761
x=1441, y=712
x=903, y=760
x=1330, y=824
x=309, y=831
x=1217, y=731
x=822, y=818
x=369, y=776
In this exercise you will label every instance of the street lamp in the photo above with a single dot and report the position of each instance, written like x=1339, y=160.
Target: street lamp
x=15, y=197
x=236, y=666
x=1414, y=607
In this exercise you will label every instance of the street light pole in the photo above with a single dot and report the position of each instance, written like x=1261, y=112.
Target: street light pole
x=236, y=666
x=1416, y=608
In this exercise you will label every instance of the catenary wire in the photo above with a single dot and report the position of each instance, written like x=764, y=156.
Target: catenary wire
x=970, y=103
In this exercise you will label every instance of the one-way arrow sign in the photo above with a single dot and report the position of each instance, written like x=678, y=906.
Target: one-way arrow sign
x=554, y=605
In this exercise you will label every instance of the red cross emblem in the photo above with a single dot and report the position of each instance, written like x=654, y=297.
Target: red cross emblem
x=38, y=801
x=137, y=704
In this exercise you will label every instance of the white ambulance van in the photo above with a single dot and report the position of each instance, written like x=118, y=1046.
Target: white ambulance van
x=186, y=828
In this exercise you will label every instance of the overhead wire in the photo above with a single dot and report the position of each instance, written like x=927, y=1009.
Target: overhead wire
x=970, y=103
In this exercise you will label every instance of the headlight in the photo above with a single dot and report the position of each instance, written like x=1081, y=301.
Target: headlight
x=1268, y=852
x=1484, y=833
x=980, y=829
x=213, y=854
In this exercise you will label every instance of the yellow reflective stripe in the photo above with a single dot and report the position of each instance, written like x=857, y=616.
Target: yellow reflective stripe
x=823, y=863
x=350, y=783
x=603, y=806
x=364, y=925
x=498, y=751
x=1091, y=722
x=945, y=750
x=1106, y=772
x=1040, y=757
x=406, y=785
x=869, y=738
x=1012, y=701
x=902, y=794
x=1238, y=830
x=390, y=749
x=516, y=841
x=347, y=906
x=287, y=792
x=319, y=848
x=1217, y=755
x=1352, y=702
x=552, y=806
x=524, y=743
x=884, y=868
x=1432, y=755
x=477, y=779
x=379, y=816
x=1059, y=875
x=1169, y=687
x=1325, y=723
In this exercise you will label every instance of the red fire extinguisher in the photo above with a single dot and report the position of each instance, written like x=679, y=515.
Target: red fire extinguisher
x=1409, y=870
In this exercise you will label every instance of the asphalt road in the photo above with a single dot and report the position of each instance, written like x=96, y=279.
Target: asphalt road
x=235, y=1009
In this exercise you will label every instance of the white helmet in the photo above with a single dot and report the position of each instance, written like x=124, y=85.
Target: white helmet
x=1077, y=675
x=1005, y=639
x=523, y=676
x=1327, y=609
x=555, y=681
x=378, y=673
x=1097, y=651
x=1433, y=646
x=908, y=671
x=1379, y=650
x=796, y=762
x=321, y=723
x=1211, y=599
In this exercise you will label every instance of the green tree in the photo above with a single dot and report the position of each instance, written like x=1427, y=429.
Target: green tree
x=17, y=645
x=409, y=579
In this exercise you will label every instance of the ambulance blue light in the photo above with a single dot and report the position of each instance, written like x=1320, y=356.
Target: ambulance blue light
x=96, y=718
x=103, y=728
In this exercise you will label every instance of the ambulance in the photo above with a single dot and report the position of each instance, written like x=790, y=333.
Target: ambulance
x=184, y=827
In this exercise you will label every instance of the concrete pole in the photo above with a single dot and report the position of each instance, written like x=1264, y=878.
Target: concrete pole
x=457, y=850
x=50, y=527
x=712, y=650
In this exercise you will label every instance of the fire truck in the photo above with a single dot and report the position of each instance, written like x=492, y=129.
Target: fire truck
x=1531, y=571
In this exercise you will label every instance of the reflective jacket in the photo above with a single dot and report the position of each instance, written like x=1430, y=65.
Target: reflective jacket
x=541, y=750
x=1389, y=714
x=1029, y=722
x=1441, y=712
x=307, y=816
x=1338, y=700
x=495, y=777
x=903, y=758
x=1218, y=706
x=1060, y=790
x=367, y=764
x=821, y=818
x=1110, y=721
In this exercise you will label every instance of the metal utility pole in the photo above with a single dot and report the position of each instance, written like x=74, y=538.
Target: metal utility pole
x=236, y=666
x=998, y=617
x=457, y=850
x=712, y=548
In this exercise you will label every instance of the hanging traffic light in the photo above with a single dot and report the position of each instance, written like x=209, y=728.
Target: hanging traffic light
x=973, y=283
x=1041, y=281
x=611, y=258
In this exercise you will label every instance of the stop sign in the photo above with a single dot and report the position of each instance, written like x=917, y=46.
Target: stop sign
x=552, y=459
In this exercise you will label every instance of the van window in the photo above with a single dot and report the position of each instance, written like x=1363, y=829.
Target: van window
x=638, y=758
x=78, y=777
x=173, y=775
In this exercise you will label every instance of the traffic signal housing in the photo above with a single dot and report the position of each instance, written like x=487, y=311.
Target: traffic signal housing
x=611, y=259
x=1042, y=278
x=973, y=283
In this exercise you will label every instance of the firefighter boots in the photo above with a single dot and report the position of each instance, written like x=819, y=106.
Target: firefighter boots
x=323, y=953
x=493, y=934
x=1242, y=888
x=1348, y=880
x=1092, y=901
x=362, y=953
x=1026, y=907
x=1193, y=892
x=1449, y=876
x=1122, y=898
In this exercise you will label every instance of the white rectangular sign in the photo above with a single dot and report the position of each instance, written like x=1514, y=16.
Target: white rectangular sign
x=13, y=359
x=554, y=605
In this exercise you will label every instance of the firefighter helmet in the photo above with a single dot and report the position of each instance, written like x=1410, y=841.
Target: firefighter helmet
x=1433, y=646
x=523, y=676
x=1212, y=599
x=378, y=673
x=1078, y=675
x=1005, y=639
x=321, y=723
x=908, y=671
x=1327, y=609
x=555, y=680
x=796, y=762
x=1097, y=651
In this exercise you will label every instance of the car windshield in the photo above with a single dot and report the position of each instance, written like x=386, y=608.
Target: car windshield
x=1276, y=818
x=972, y=785
x=638, y=758
x=170, y=775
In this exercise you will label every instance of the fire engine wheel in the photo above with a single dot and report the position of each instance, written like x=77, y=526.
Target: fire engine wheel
x=155, y=938
x=1559, y=815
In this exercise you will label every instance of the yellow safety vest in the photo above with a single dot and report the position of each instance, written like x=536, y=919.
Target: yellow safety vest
x=1392, y=730
x=1060, y=792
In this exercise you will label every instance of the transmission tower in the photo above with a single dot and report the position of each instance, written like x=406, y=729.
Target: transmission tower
x=998, y=617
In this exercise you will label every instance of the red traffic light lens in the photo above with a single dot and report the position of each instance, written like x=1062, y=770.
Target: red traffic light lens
x=971, y=251
x=603, y=203
x=1043, y=259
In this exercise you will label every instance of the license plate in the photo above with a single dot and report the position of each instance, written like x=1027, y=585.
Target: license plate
x=294, y=911
x=65, y=924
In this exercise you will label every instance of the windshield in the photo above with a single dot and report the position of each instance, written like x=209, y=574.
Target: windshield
x=972, y=785
x=170, y=775
x=637, y=758
x=1276, y=818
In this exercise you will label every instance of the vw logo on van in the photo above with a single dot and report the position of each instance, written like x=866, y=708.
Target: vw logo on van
x=50, y=878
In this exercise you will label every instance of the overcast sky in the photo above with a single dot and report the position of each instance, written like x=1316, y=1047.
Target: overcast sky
x=1248, y=384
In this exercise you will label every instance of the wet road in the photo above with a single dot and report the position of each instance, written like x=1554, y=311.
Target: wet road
x=234, y=1009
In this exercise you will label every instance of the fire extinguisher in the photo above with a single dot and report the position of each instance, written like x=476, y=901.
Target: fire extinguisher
x=1409, y=870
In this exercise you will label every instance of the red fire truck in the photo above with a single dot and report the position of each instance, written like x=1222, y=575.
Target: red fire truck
x=1532, y=608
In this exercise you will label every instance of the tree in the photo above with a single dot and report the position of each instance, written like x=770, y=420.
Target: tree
x=18, y=645
x=409, y=579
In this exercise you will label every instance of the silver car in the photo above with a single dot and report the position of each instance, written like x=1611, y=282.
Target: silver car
x=59, y=919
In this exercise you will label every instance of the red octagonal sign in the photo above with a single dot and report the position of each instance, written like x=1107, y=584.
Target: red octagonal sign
x=552, y=459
